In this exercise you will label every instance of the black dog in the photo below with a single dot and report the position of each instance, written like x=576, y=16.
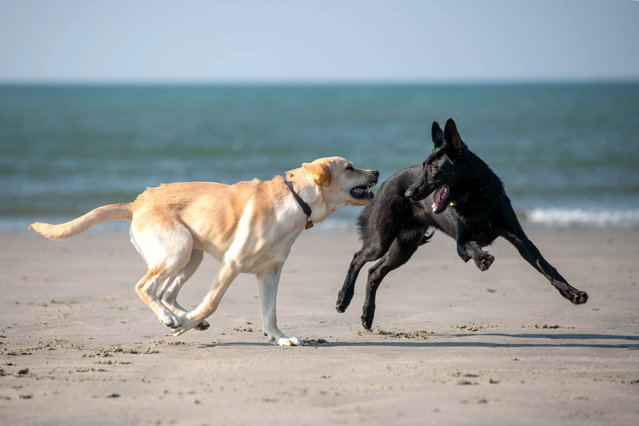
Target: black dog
x=453, y=191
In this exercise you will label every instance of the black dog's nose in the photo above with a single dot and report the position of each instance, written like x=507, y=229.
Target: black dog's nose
x=376, y=173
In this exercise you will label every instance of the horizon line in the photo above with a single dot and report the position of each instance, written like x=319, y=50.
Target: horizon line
x=248, y=84
x=312, y=82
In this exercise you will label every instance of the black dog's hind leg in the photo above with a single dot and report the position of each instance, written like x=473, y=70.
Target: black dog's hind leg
x=399, y=252
x=532, y=255
x=512, y=231
x=366, y=254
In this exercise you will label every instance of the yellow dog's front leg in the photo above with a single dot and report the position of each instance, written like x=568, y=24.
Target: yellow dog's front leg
x=267, y=287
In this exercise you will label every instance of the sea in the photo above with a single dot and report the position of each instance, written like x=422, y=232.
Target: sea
x=568, y=153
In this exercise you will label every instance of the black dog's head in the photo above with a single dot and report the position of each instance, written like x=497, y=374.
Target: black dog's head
x=440, y=172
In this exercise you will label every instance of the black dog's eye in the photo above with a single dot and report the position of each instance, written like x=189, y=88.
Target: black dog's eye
x=432, y=169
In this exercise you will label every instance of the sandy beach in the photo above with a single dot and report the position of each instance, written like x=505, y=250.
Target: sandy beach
x=452, y=345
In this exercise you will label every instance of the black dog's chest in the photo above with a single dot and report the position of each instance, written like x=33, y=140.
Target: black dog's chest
x=483, y=236
x=476, y=227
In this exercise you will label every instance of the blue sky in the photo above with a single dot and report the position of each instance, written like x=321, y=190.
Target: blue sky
x=318, y=41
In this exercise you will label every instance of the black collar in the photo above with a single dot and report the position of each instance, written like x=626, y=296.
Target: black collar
x=303, y=204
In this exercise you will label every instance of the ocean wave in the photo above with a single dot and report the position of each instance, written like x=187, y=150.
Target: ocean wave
x=582, y=217
x=545, y=217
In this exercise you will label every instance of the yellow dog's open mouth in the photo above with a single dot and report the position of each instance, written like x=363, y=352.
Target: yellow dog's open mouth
x=363, y=191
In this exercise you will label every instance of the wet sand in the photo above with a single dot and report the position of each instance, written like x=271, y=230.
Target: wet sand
x=452, y=345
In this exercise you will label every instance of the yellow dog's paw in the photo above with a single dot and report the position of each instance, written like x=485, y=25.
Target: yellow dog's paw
x=202, y=326
x=290, y=341
x=183, y=327
x=170, y=320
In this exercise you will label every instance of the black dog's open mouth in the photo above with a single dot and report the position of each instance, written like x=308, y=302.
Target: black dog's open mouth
x=363, y=191
x=440, y=199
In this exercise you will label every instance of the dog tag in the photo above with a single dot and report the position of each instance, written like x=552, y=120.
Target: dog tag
x=309, y=224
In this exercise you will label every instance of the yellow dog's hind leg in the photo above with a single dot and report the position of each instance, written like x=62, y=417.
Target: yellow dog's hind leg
x=228, y=271
x=168, y=292
x=167, y=251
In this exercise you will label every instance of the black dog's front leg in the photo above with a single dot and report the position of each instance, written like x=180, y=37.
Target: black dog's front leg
x=467, y=247
x=532, y=255
x=471, y=250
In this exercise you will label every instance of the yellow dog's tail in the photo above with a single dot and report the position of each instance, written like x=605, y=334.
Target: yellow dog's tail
x=94, y=217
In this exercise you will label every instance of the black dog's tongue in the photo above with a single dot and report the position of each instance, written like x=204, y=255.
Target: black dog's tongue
x=440, y=199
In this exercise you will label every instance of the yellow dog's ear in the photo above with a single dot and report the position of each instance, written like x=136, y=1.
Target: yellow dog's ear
x=321, y=173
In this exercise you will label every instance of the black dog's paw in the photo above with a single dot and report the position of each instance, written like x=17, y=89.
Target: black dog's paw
x=575, y=296
x=343, y=300
x=484, y=260
x=341, y=305
x=366, y=324
x=367, y=320
x=579, y=297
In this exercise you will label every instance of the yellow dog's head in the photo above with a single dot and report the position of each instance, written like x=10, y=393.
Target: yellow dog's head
x=339, y=181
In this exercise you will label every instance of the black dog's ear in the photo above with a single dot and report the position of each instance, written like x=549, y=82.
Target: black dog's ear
x=437, y=134
x=455, y=146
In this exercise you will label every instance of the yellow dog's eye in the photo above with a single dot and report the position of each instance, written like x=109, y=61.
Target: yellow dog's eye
x=350, y=168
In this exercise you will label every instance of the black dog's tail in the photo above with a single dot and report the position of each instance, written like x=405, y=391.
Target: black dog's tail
x=426, y=238
x=362, y=220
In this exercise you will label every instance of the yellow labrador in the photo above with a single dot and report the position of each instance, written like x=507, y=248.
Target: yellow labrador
x=249, y=227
